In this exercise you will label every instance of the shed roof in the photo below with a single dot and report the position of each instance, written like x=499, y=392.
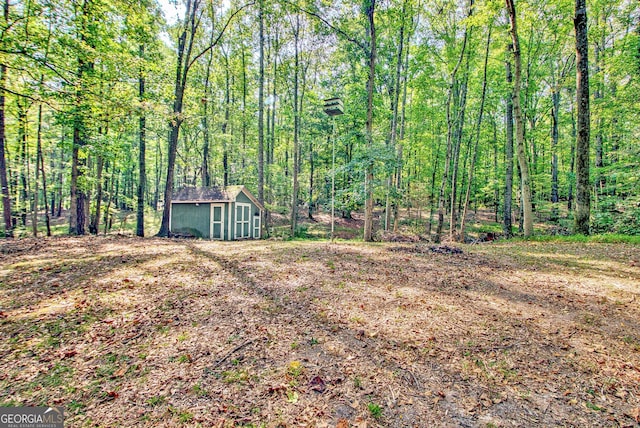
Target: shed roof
x=212, y=194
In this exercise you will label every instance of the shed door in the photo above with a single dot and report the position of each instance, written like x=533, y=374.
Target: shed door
x=242, y=220
x=217, y=221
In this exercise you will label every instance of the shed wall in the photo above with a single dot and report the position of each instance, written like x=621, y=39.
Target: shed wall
x=191, y=219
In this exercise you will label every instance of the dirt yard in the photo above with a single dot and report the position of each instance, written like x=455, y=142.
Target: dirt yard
x=148, y=332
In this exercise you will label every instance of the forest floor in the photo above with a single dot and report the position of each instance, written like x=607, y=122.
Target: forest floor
x=123, y=331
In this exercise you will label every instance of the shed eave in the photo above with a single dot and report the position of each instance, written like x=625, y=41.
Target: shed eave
x=206, y=201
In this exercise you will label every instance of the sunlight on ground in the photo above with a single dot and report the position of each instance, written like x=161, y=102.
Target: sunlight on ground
x=168, y=331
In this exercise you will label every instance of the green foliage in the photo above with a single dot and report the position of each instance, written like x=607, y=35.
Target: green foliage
x=375, y=410
x=83, y=64
x=615, y=216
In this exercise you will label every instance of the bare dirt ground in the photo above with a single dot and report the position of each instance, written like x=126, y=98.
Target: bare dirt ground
x=147, y=332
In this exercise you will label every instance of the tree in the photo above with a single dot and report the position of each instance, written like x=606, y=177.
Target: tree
x=370, y=6
x=4, y=183
x=185, y=59
x=583, y=195
x=508, y=149
x=517, y=109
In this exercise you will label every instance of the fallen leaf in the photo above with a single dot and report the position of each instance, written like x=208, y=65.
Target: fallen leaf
x=120, y=372
x=359, y=423
x=317, y=384
x=342, y=423
x=69, y=354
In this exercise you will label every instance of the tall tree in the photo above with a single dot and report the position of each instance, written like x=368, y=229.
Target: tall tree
x=583, y=195
x=370, y=6
x=474, y=156
x=4, y=183
x=454, y=124
x=185, y=59
x=86, y=17
x=296, y=124
x=261, y=103
x=508, y=149
x=517, y=109
x=142, y=148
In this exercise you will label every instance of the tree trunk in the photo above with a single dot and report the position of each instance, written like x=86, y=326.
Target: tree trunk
x=451, y=124
x=244, y=108
x=94, y=227
x=368, y=180
x=508, y=149
x=6, y=198
x=395, y=100
x=496, y=185
x=206, y=176
x=522, y=156
x=142, y=168
x=572, y=160
x=78, y=219
x=474, y=156
x=23, y=199
x=185, y=45
x=225, y=125
x=40, y=169
x=59, y=187
x=311, y=183
x=583, y=196
x=555, y=198
x=261, y=105
x=405, y=81
x=296, y=127
x=457, y=145
x=34, y=217
x=598, y=95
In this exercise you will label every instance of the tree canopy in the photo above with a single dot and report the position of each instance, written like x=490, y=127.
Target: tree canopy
x=107, y=106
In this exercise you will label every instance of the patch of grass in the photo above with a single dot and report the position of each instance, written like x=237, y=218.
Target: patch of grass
x=199, y=391
x=357, y=382
x=235, y=376
x=591, y=319
x=292, y=396
x=184, y=359
x=375, y=410
x=157, y=400
x=357, y=319
x=592, y=406
x=162, y=329
x=295, y=369
x=75, y=407
x=583, y=239
x=57, y=376
x=182, y=415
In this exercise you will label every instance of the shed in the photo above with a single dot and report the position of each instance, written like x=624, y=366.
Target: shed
x=223, y=213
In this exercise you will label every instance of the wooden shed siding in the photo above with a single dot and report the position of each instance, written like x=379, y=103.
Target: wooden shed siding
x=191, y=219
x=194, y=217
